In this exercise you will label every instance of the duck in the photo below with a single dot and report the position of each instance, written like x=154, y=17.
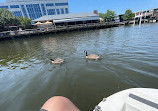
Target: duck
x=57, y=61
x=92, y=56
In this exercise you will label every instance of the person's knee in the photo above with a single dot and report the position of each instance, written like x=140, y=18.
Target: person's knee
x=58, y=99
x=59, y=103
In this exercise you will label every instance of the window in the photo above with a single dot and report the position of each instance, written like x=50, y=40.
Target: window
x=17, y=13
x=62, y=11
x=4, y=7
x=14, y=6
x=58, y=11
x=31, y=12
x=66, y=10
x=24, y=10
x=51, y=11
x=43, y=9
x=37, y=10
x=49, y=4
x=34, y=11
x=60, y=4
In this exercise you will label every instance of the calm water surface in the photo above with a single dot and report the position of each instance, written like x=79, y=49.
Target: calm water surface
x=129, y=59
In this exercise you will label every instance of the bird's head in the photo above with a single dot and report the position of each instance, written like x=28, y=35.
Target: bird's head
x=52, y=59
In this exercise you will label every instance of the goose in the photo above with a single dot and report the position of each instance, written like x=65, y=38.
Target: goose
x=57, y=61
x=92, y=56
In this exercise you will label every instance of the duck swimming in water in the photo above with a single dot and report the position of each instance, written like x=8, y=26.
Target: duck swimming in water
x=92, y=56
x=57, y=61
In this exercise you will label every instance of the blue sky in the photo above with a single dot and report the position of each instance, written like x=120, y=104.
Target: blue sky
x=119, y=6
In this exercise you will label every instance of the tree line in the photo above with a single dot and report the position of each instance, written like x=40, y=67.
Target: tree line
x=8, y=19
x=111, y=15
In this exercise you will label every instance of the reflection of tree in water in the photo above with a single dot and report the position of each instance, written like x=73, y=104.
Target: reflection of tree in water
x=34, y=49
x=41, y=48
x=18, y=50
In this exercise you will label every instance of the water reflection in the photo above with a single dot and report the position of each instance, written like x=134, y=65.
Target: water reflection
x=129, y=58
x=58, y=47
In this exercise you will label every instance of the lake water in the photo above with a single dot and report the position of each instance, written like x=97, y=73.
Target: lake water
x=129, y=59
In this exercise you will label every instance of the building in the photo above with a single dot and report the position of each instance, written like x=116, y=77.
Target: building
x=147, y=14
x=95, y=11
x=34, y=9
x=119, y=18
x=69, y=19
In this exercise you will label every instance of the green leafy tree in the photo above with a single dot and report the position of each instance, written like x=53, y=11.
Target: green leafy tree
x=8, y=19
x=109, y=15
x=128, y=15
x=25, y=22
x=102, y=15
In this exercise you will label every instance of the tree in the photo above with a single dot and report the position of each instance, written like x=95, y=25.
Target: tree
x=102, y=15
x=8, y=19
x=128, y=15
x=25, y=22
x=109, y=15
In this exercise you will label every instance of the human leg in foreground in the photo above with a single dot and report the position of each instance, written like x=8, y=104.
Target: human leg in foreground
x=59, y=103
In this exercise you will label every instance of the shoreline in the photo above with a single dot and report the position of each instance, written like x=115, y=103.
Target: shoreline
x=59, y=29
x=32, y=32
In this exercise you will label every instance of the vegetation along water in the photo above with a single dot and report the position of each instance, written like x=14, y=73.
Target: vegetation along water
x=128, y=59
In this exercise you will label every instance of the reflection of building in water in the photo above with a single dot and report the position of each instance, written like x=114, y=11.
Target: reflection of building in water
x=56, y=46
x=36, y=8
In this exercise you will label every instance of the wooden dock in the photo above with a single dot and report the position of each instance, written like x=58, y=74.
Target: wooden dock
x=30, y=32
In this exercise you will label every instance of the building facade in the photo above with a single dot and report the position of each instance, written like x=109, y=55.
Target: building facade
x=34, y=9
x=119, y=18
x=147, y=13
x=69, y=19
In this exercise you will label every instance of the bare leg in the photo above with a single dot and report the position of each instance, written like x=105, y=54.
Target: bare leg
x=59, y=103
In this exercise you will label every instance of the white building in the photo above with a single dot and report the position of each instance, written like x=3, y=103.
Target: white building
x=75, y=18
x=34, y=9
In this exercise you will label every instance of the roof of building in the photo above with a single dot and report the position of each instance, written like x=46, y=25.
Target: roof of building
x=67, y=17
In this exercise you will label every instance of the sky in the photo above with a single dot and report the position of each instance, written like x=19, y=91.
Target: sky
x=119, y=6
